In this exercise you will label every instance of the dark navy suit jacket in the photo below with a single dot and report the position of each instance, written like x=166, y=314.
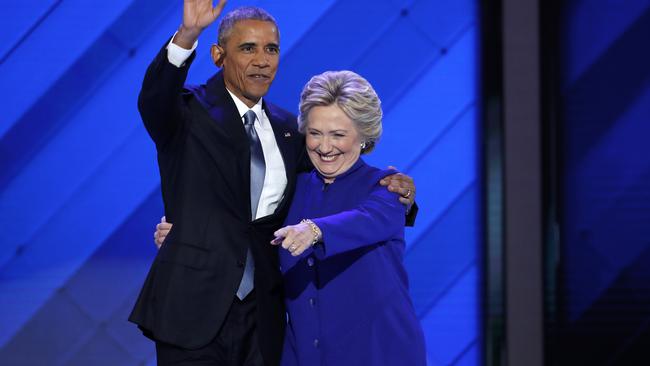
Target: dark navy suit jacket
x=204, y=161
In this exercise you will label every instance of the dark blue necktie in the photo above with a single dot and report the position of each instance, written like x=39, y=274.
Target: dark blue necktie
x=258, y=169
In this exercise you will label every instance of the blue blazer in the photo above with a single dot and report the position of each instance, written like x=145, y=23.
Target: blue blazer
x=347, y=298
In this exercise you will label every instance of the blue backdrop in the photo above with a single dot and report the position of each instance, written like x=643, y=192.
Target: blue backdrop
x=606, y=181
x=79, y=186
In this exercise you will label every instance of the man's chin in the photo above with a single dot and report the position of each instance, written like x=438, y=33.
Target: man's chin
x=257, y=95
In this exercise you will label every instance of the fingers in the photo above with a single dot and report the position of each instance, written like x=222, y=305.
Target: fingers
x=163, y=219
x=162, y=229
x=279, y=236
x=402, y=185
x=405, y=201
x=404, y=192
x=398, y=180
x=296, y=240
x=386, y=180
x=288, y=241
x=281, y=233
x=406, y=196
x=164, y=226
x=299, y=250
x=216, y=11
x=157, y=240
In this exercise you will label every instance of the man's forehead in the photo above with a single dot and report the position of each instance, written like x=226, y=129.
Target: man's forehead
x=256, y=31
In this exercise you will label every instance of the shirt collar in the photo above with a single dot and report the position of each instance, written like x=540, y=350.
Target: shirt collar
x=243, y=108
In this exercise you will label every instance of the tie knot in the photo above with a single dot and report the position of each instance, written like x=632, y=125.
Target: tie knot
x=249, y=118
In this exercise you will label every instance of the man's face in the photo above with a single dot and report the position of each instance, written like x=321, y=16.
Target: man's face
x=252, y=52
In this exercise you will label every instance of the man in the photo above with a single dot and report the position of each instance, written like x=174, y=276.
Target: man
x=228, y=161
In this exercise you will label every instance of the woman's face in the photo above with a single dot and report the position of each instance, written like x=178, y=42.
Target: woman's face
x=333, y=143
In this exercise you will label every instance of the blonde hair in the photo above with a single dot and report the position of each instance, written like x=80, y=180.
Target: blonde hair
x=353, y=94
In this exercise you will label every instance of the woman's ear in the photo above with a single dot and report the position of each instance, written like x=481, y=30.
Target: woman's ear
x=218, y=54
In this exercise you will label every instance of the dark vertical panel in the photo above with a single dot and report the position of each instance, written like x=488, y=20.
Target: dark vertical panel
x=552, y=162
x=492, y=171
x=522, y=144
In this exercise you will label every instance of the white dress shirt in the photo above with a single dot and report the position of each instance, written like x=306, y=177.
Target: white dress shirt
x=275, y=177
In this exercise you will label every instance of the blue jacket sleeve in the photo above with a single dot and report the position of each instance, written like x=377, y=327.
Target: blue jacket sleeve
x=377, y=219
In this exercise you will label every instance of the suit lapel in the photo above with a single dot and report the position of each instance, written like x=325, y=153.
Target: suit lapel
x=222, y=109
x=228, y=126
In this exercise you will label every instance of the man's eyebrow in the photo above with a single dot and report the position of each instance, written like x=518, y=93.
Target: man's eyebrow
x=275, y=45
x=247, y=44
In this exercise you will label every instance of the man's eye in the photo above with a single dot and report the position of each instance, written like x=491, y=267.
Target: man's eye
x=273, y=50
x=247, y=49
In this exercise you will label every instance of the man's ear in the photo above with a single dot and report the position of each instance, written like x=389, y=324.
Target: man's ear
x=218, y=54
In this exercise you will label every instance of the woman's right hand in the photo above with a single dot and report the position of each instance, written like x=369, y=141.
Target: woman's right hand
x=162, y=229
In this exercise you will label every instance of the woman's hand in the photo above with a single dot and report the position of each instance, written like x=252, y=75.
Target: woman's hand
x=297, y=238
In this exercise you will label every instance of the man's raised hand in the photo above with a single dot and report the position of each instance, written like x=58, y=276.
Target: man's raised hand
x=197, y=15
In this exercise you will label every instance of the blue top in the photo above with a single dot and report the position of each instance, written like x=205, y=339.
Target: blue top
x=347, y=298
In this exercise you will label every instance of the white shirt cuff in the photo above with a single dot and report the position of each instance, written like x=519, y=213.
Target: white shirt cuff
x=177, y=55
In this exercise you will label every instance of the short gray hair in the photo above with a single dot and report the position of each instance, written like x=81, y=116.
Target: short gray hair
x=353, y=94
x=237, y=15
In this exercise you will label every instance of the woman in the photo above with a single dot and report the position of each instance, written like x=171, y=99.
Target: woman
x=346, y=288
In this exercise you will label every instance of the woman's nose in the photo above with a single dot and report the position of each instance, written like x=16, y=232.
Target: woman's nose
x=325, y=145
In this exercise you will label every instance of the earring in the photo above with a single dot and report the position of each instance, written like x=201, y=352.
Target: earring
x=363, y=145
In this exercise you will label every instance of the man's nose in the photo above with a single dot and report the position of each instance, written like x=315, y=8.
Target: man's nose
x=261, y=60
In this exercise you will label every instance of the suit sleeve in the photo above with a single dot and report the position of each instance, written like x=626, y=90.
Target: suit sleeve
x=411, y=215
x=160, y=101
x=377, y=219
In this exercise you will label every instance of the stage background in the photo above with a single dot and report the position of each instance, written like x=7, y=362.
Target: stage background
x=603, y=282
x=79, y=187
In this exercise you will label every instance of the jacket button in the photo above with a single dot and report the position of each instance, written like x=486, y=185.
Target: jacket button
x=316, y=342
x=310, y=262
x=312, y=302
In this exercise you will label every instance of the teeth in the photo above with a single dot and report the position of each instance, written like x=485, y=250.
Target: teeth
x=328, y=158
